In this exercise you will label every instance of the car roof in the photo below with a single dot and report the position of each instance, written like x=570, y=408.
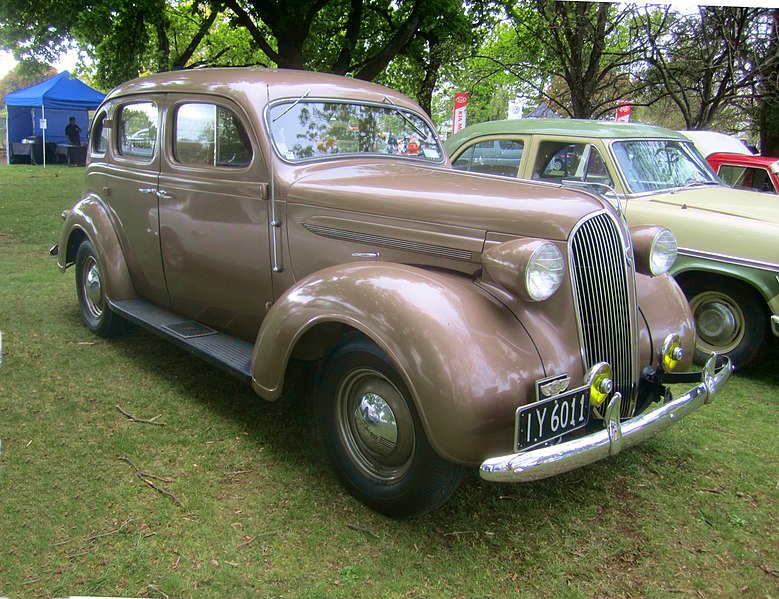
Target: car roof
x=565, y=127
x=709, y=142
x=258, y=85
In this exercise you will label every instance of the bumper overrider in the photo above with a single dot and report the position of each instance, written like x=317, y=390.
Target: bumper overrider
x=535, y=464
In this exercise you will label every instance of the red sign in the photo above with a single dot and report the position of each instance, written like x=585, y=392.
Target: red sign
x=623, y=112
x=460, y=111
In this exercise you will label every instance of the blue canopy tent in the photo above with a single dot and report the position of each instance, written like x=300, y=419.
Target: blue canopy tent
x=53, y=101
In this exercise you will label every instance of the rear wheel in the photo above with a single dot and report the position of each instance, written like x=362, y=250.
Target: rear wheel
x=90, y=288
x=374, y=437
x=730, y=319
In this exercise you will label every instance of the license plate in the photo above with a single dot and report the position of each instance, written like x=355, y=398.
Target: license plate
x=545, y=420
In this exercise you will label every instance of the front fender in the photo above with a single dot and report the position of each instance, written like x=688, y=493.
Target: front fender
x=89, y=219
x=465, y=358
x=664, y=311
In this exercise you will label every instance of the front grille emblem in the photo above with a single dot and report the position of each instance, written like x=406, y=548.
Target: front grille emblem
x=553, y=386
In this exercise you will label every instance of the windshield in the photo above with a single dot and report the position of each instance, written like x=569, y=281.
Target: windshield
x=313, y=129
x=658, y=165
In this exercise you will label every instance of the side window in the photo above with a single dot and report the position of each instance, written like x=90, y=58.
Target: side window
x=99, y=138
x=495, y=156
x=755, y=179
x=210, y=135
x=559, y=161
x=137, y=125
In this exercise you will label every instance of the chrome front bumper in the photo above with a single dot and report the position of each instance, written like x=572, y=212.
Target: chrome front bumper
x=541, y=463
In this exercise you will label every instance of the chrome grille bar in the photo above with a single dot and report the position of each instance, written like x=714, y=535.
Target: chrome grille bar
x=602, y=295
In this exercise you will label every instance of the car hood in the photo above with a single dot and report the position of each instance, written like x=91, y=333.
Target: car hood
x=726, y=201
x=442, y=195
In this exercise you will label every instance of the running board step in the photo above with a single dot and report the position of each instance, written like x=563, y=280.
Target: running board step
x=224, y=351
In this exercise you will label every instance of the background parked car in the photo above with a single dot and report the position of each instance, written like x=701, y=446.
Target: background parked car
x=728, y=238
x=750, y=172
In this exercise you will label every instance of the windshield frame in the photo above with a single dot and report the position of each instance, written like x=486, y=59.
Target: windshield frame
x=688, y=149
x=405, y=113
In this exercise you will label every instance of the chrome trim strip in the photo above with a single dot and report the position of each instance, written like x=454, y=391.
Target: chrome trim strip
x=729, y=259
x=775, y=324
x=400, y=244
x=556, y=459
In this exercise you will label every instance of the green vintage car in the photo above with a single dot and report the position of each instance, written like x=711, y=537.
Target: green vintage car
x=728, y=263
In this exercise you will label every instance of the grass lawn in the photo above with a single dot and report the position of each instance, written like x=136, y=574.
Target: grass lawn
x=245, y=504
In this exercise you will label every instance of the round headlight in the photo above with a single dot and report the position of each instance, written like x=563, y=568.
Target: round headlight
x=544, y=272
x=662, y=254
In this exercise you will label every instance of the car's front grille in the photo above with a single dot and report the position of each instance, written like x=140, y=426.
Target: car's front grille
x=601, y=283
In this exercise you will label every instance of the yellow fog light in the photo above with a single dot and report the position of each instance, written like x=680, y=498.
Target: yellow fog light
x=599, y=379
x=671, y=352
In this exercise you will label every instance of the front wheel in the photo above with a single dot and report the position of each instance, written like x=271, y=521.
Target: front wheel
x=90, y=287
x=730, y=319
x=374, y=437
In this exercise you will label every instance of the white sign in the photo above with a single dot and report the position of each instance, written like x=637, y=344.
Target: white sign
x=516, y=108
x=42, y=124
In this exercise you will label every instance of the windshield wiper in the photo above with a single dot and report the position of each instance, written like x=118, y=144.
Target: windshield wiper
x=693, y=184
x=399, y=111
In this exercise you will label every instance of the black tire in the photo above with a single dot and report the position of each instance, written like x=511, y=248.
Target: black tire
x=373, y=435
x=91, y=294
x=730, y=319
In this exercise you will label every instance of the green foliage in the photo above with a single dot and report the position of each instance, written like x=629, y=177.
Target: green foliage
x=27, y=73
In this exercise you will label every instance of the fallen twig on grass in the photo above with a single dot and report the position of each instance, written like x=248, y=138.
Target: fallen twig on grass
x=146, y=478
x=140, y=420
x=151, y=587
x=363, y=530
x=100, y=535
x=250, y=540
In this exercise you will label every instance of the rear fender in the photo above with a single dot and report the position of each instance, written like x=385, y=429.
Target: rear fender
x=466, y=360
x=89, y=219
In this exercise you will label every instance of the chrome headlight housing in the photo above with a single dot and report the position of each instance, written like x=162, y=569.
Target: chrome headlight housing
x=530, y=269
x=655, y=249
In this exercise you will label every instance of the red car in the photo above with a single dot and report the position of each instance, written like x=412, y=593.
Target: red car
x=755, y=173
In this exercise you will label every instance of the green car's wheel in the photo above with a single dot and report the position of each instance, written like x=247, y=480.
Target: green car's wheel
x=730, y=319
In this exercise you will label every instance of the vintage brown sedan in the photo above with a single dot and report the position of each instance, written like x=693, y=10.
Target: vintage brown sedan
x=255, y=216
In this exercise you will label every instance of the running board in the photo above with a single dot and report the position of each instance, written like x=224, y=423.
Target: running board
x=224, y=351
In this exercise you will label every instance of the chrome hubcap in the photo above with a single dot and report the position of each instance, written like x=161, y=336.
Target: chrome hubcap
x=718, y=320
x=93, y=290
x=375, y=425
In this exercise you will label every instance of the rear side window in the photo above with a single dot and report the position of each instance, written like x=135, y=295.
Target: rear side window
x=99, y=135
x=210, y=135
x=743, y=177
x=138, y=130
x=495, y=156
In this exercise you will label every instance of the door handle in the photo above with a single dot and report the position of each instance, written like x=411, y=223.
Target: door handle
x=148, y=190
x=164, y=195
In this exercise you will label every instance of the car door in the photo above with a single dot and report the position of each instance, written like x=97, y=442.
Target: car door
x=214, y=215
x=131, y=185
